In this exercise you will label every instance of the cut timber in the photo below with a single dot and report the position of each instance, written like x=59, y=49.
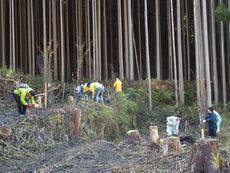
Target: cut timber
x=40, y=102
x=174, y=144
x=133, y=136
x=154, y=137
x=205, y=154
x=102, y=131
x=5, y=132
x=77, y=121
x=70, y=100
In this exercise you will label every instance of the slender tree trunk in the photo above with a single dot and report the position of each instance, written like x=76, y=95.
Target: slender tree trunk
x=170, y=49
x=130, y=28
x=29, y=37
x=3, y=32
x=179, y=49
x=126, y=40
x=99, y=39
x=32, y=37
x=206, y=53
x=147, y=57
x=54, y=15
x=139, y=40
x=213, y=48
x=158, y=41
x=120, y=39
x=45, y=52
x=94, y=39
x=67, y=39
x=62, y=43
x=223, y=61
x=105, y=41
x=174, y=54
x=188, y=40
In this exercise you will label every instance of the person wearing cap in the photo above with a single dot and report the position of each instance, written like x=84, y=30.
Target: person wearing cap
x=97, y=90
x=22, y=96
x=117, y=85
x=211, y=120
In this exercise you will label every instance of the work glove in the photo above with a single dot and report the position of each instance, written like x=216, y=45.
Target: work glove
x=204, y=121
x=27, y=106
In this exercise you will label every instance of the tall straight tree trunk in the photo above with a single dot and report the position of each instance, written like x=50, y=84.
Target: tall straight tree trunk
x=3, y=32
x=54, y=15
x=29, y=37
x=99, y=39
x=206, y=53
x=188, y=39
x=62, y=43
x=180, y=59
x=147, y=57
x=126, y=39
x=223, y=61
x=67, y=47
x=45, y=52
x=170, y=49
x=213, y=48
x=105, y=41
x=158, y=40
x=139, y=40
x=12, y=36
x=94, y=39
x=120, y=39
x=130, y=29
x=174, y=53
x=32, y=37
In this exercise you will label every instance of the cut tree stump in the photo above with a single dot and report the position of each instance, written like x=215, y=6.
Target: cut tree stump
x=5, y=132
x=154, y=137
x=204, y=157
x=71, y=100
x=40, y=102
x=133, y=136
x=174, y=145
x=77, y=121
x=101, y=134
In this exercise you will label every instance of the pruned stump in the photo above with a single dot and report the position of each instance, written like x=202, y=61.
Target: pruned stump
x=163, y=145
x=77, y=121
x=174, y=145
x=6, y=132
x=206, y=157
x=40, y=102
x=133, y=136
x=154, y=136
x=71, y=100
x=101, y=134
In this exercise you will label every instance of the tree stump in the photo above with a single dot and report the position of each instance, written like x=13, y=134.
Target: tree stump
x=101, y=134
x=5, y=132
x=71, y=100
x=163, y=146
x=77, y=121
x=174, y=145
x=133, y=136
x=205, y=157
x=154, y=137
x=40, y=102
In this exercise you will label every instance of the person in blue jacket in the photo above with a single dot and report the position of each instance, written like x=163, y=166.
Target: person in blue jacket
x=211, y=120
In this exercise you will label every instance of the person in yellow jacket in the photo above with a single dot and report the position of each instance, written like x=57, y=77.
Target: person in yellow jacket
x=22, y=96
x=97, y=90
x=117, y=85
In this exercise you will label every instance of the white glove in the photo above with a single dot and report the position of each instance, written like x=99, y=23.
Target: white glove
x=204, y=121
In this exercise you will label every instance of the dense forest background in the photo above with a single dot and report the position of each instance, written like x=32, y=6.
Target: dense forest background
x=176, y=40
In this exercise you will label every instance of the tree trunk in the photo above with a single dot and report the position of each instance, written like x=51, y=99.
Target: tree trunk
x=206, y=53
x=126, y=40
x=213, y=48
x=120, y=39
x=62, y=43
x=130, y=37
x=158, y=40
x=105, y=69
x=3, y=32
x=147, y=57
x=180, y=59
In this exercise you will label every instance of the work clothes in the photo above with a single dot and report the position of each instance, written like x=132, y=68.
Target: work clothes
x=21, y=95
x=117, y=85
x=97, y=91
x=211, y=121
x=173, y=125
x=218, y=121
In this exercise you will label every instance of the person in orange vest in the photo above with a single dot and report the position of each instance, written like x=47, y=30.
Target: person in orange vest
x=97, y=90
x=117, y=85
